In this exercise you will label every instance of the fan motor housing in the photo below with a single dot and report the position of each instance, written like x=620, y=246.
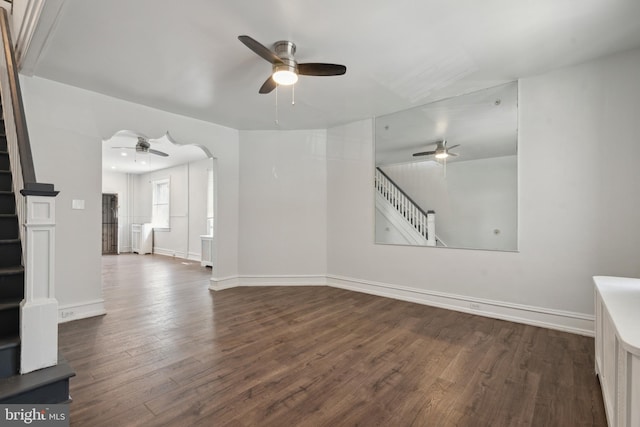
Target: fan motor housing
x=142, y=146
x=284, y=49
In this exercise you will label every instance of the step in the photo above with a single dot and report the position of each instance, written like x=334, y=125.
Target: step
x=3, y=137
x=9, y=319
x=9, y=356
x=10, y=253
x=12, y=283
x=7, y=202
x=9, y=227
x=4, y=161
x=45, y=386
x=6, y=182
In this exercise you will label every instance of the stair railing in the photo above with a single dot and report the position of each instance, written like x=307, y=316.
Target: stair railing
x=423, y=222
x=35, y=208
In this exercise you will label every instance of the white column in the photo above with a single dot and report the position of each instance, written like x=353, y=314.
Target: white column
x=39, y=309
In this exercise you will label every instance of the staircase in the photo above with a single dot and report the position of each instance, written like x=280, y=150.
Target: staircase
x=31, y=369
x=419, y=228
x=45, y=386
x=11, y=270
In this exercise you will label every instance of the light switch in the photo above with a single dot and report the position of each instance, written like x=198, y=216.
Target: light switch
x=77, y=204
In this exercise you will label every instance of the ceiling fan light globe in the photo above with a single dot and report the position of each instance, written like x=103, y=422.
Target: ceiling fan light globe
x=285, y=77
x=442, y=155
x=285, y=74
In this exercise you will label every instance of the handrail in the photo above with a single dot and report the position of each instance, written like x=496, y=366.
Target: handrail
x=24, y=146
x=18, y=143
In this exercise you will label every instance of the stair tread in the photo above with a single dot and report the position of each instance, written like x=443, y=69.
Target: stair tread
x=18, y=384
x=8, y=342
x=6, y=271
x=9, y=241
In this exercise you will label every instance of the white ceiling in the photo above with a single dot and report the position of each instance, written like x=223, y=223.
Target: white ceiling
x=184, y=57
x=484, y=124
x=119, y=154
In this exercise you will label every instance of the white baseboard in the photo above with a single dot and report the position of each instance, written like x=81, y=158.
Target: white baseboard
x=193, y=256
x=83, y=310
x=218, y=284
x=169, y=252
x=567, y=321
x=221, y=283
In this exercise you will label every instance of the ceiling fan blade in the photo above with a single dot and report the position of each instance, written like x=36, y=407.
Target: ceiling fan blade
x=453, y=146
x=438, y=142
x=452, y=154
x=319, y=69
x=260, y=49
x=268, y=85
x=424, y=153
x=158, y=153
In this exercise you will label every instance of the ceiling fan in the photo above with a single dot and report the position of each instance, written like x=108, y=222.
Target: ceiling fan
x=441, y=151
x=285, y=68
x=143, y=146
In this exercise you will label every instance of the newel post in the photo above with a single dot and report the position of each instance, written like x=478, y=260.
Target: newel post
x=431, y=228
x=39, y=308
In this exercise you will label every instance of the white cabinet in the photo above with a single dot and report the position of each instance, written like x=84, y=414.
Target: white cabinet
x=141, y=238
x=207, y=251
x=617, y=307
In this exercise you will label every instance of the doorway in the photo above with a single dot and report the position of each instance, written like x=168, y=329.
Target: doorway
x=109, y=223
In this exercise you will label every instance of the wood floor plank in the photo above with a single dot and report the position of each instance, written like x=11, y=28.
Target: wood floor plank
x=172, y=353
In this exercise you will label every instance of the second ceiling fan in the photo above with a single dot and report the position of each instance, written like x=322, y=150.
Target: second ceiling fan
x=441, y=151
x=285, y=68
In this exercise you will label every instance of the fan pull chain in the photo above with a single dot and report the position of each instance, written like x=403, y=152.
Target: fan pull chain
x=277, y=104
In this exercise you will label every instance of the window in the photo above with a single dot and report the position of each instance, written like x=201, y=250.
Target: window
x=160, y=203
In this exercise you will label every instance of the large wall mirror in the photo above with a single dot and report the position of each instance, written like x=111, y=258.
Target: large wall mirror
x=447, y=172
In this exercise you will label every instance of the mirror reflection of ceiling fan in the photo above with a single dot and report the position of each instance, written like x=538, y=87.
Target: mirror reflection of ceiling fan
x=143, y=145
x=441, y=151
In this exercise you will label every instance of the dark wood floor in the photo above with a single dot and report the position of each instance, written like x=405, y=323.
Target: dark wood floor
x=170, y=352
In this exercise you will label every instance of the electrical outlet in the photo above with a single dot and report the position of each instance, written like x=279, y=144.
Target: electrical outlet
x=66, y=313
x=475, y=306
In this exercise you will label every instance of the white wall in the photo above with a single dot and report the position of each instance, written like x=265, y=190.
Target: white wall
x=188, y=209
x=386, y=231
x=579, y=203
x=198, y=176
x=67, y=126
x=473, y=200
x=283, y=203
x=174, y=240
x=120, y=184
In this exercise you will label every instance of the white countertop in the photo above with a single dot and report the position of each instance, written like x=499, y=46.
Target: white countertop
x=621, y=296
